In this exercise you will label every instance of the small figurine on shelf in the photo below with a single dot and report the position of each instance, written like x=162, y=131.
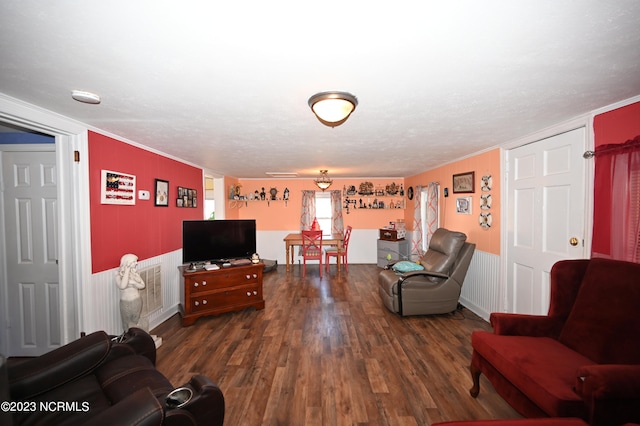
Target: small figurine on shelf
x=286, y=194
x=401, y=190
x=256, y=195
x=263, y=194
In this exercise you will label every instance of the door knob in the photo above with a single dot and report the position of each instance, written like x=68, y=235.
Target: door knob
x=574, y=241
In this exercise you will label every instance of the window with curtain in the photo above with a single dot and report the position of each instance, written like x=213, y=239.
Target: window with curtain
x=616, y=218
x=329, y=212
x=332, y=221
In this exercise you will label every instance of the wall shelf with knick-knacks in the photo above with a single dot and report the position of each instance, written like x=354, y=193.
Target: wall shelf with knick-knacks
x=263, y=195
x=368, y=196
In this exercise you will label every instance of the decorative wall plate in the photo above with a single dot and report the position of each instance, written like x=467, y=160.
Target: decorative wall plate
x=485, y=201
x=410, y=193
x=485, y=220
x=487, y=183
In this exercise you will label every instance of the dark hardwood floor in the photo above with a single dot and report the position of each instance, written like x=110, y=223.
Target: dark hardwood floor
x=326, y=352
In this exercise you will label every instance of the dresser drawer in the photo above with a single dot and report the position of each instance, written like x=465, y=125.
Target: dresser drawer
x=233, y=276
x=225, y=298
x=221, y=279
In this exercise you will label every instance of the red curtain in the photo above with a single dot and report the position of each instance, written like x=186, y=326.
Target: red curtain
x=616, y=220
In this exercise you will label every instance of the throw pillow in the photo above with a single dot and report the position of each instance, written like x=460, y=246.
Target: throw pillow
x=407, y=266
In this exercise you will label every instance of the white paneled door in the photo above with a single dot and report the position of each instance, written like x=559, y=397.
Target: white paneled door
x=32, y=290
x=546, y=216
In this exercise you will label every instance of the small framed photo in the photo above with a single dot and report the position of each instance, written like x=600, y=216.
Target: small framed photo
x=463, y=205
x=464, y=183
x=162, y=193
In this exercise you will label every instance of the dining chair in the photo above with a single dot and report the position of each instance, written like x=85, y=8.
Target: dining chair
x=311, y=249
x=333, y=251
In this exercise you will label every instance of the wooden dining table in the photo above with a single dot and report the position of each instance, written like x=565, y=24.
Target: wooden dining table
x=293, y=240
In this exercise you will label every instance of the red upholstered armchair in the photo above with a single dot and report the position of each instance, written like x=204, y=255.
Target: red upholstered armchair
x=580, y=360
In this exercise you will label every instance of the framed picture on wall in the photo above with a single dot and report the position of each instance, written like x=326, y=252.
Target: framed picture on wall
x=117, y=188
x=463, y=205
x=162, y=193
x=187, y=197
x=464, y=183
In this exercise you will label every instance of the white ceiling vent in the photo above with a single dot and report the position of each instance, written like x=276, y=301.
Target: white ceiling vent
x=283, y=175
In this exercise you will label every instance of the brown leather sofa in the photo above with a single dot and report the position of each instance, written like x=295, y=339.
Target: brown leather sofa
x=99, y=379
x=435, y=289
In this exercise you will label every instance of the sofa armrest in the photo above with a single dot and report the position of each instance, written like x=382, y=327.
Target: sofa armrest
x=424, y=274
x=64, y=364
x=207, y=405
x=135, y=341
x=607, y=381
x=525, y=325
x=610, y=392
x=141, y=408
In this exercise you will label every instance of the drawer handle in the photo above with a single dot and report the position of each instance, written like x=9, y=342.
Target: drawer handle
x=204, y=283
x=255, y=293
x=204, y=302
x=195, y=284
x=249, y=293
x=255, y=275
x=248, y=276
x=197, y=303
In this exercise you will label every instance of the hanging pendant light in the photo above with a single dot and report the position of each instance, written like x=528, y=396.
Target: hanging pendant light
x=323, y=182
x=333, y=108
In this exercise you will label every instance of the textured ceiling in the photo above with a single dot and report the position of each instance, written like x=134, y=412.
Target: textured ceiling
x=224, y=85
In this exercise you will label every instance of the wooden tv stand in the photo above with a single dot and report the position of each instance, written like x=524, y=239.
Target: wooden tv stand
x=221, y=290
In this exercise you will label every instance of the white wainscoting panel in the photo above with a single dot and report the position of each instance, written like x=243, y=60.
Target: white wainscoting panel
x=481, y=289
x=102, y=297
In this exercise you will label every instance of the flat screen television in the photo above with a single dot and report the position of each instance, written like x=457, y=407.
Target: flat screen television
x=217, y=240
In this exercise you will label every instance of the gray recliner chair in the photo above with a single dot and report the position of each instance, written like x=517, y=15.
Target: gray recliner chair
x=436, y=289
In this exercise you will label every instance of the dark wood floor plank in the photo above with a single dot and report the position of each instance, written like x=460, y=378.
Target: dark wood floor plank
x=327, y=352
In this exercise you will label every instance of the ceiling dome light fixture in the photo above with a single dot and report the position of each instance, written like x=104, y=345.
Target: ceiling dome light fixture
x=333, y=108
x=323, y=182
x=85, y=97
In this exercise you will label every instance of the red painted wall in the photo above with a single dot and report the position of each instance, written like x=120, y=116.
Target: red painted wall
x=617, y=126
x=142, y=229
x=612, y=127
